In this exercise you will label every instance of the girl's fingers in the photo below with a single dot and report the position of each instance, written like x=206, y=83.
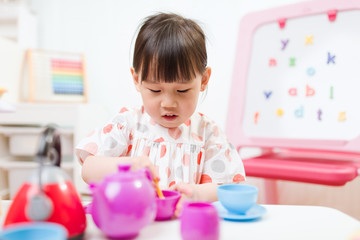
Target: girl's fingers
x=153, y=171
x=187, y=193
x=144, y=162
x=179, y=205
x=183, y=188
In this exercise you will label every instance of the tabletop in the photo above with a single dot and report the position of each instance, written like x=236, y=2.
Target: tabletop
x=279, y=222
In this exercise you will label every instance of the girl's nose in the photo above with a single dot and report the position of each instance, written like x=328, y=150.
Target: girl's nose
x=168, y=102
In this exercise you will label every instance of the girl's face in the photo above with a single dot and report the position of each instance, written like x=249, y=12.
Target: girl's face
x=171, y=104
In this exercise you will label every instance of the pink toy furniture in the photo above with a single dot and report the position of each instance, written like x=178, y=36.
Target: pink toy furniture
x=295, y=93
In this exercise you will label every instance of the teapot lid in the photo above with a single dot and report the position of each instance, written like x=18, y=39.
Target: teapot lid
x=125, y=174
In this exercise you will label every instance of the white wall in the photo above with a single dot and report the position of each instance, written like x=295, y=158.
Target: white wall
x=104, y=30
x=11, y=59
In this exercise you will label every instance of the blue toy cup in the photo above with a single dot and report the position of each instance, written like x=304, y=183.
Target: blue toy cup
x=34, y=231
x=237, y=198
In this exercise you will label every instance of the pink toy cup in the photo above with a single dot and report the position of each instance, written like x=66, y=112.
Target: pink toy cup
x=166, y=206
x=199, y=220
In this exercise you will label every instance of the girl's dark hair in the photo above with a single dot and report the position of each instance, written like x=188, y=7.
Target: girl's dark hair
x=169, y=48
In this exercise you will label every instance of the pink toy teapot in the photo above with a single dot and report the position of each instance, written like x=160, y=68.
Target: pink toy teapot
x=123, y=203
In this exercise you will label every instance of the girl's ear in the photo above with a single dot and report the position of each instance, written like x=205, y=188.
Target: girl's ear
x=205, y=79
x=135, y=77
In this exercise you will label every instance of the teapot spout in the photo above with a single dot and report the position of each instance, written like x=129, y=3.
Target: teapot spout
x=88, y=208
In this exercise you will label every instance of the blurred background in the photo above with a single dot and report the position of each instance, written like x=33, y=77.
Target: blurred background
x=104, y=31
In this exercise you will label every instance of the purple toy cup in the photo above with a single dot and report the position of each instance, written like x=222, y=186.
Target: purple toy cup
x=199, y=220
x=166, y=206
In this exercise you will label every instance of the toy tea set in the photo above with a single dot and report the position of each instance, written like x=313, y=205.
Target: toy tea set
x=122, y=204
x=48, y=204
x=127, y=198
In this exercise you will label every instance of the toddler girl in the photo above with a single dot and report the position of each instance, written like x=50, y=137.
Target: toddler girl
x=184, y=149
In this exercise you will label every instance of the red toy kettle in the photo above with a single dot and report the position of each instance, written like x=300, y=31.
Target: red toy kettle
x=49, y=195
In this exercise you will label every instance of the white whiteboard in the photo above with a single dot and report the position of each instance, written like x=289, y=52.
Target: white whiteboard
x=313, y=92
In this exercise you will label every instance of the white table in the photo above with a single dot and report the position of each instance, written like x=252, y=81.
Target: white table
x=280, y=222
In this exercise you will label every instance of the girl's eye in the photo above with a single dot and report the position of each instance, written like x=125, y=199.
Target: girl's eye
x=154, y=91
x=183, y=91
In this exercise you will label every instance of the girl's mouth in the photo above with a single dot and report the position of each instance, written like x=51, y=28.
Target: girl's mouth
x=169, y=117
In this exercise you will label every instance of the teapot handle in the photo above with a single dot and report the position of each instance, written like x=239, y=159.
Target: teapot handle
x=88, y=208
x=50, y=146
x=147, y=173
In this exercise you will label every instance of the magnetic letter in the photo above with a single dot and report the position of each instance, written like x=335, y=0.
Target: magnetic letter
x=310, y=71
x=272, y=62
x=331, y=92
x=299, y=113
x=267, y=94
x=256, y=117
x=341, y=117
x=293, y=92
x=308, y=40
x=279, y=112
x=331, y=59
x=284, y=44
x=319, y=114
x=292, y=61
x=309, y=91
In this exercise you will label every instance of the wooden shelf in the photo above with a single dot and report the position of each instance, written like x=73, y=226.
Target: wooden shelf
x=18, y=23
x=41, y=114
x=8, y=163
x=20, y=131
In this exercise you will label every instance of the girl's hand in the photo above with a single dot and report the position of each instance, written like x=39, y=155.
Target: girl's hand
x=144, y=162
x=188, y=192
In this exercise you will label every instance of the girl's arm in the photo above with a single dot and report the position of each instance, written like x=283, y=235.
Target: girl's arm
x=95, y=168
x=205, y=192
